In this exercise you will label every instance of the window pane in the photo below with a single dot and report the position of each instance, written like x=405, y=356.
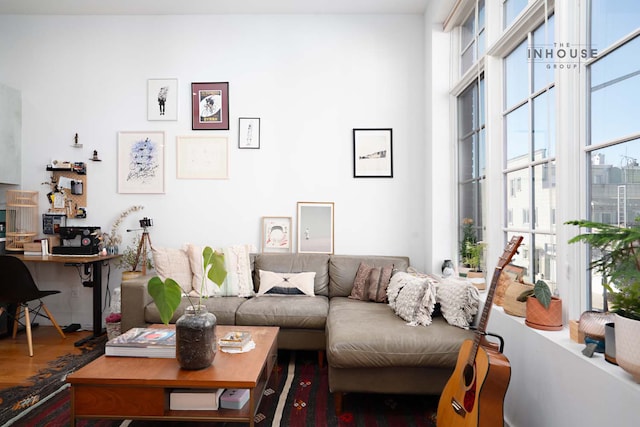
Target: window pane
x=517, y=76
x=481, y=95
x=544, y=178
x=467, y=31
x=467, y=110
x=543, y=71
x=615, y=183
x=544, y=259
x=544, y=125
x=467, y=58
x=511, y=9
x=482, y=163
x=615, y=90
x=481, y=32
x=612, y=20
x=522, y=257
x=468, y=201
x=466, y=163
x=517, y=132
x=518, y=198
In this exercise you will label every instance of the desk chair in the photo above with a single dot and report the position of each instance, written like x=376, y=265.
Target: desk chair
x=17, y=287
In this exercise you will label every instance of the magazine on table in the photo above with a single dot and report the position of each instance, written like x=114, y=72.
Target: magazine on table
x=143, y=342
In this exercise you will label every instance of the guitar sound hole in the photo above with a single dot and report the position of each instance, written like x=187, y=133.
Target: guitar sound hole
x=468, y=375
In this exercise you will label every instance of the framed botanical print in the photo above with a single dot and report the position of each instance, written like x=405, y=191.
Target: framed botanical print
x=210, y=106
x=141, y=162
x=315, y=227
x=372, y=153
x=276, y=234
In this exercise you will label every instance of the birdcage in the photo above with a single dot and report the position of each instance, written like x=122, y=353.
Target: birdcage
x=22, y=218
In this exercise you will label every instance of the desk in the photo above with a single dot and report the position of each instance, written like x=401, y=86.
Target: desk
x=96, y=263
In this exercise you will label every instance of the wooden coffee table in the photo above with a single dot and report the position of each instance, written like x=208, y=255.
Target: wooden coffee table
x=113, y=387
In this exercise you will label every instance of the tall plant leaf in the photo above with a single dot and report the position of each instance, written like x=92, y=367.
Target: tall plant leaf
x=166, y=295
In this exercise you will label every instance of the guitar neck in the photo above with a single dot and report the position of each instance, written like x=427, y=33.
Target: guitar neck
x=509, y=251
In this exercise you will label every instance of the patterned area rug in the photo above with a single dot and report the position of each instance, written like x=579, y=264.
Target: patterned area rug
x=16, y=400
x=299, y=397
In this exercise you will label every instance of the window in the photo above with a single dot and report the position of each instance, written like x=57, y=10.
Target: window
x=472, y=38
x=529, y=129
x=511, y=9
x=613, y=148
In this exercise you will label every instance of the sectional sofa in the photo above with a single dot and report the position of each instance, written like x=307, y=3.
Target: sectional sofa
x=368, y=347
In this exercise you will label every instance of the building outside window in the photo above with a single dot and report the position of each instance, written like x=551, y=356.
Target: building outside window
x=613, y=145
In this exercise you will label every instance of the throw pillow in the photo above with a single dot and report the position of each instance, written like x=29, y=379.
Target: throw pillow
x=209, y=289
x=293, y=284
x=415, y=301
x=370, y=283
x=174, y=264
x=238, y=265
x=459, y=301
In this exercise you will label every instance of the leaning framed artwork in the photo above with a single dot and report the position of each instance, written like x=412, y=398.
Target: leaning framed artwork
x=202, y=157
x=372, y=153
x=162, y=99
x=315, y=227
x=249, y=132
x=276, y=234
x=141, y=162
x=210, y=106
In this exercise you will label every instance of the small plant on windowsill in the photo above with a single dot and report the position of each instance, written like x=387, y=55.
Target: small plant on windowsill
x=544, y=311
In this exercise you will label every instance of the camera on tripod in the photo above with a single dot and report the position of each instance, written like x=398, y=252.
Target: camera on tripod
x=146, y=222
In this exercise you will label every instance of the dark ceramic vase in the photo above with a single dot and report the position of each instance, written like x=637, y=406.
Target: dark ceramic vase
x=196, y=338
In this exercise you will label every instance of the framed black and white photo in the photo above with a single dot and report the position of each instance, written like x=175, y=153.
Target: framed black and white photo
x=315, y=227
x=372, y=153
x=249, y=132
x=162, y=99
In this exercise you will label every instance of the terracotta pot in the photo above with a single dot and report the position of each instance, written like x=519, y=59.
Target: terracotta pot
x=539, y=317
x=628, y=345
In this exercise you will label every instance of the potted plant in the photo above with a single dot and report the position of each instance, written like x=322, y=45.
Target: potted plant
x=543, y=311
x=469, y=240
x=617, y=258
x=195, y=329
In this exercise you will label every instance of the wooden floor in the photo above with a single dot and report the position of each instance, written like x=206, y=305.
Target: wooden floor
x=16, y=365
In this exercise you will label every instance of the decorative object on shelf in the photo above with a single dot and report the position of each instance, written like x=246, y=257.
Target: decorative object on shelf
x=75, y=142
x=249, y=132
x=373, y=153
x=544, y=311
x=591, y=323
x=113, y=325
x=315, y=227
x=195, y=330
x=202, y=157
x=511, y=304
x=616, y=256
x=141, y=162
x=162, y=99
x=210, y=106
x=510, y=273
x=113, y=239
x=21, y=219
x=276, y=234
x=447, y=268
x=95, y=157
x=610, y=342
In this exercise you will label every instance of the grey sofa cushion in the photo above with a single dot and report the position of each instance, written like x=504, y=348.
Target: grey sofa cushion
x=295, y=263
x=343, y=269
x=364, y=334
x=224, y=308
x=301, y=312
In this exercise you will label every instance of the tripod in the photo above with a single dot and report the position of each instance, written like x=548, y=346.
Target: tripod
x=142, y=249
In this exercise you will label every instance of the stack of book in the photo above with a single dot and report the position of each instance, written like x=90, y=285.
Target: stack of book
x=143, y=342
x=236, y=342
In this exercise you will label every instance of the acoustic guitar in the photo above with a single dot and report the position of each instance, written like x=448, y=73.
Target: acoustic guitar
x=474, y=394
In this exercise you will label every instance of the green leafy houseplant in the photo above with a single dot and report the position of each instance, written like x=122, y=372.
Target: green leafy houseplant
x=541, y=291
x=618, y=261
x=167, y=294
x=469, y=240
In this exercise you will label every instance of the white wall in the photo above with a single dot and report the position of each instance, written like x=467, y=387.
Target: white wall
x=311, y=80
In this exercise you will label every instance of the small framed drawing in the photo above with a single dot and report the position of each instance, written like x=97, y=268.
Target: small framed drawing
x=141, y=162
x=249, y=132
x=202, y=157
x=210, y=106
x=315, y=227
x=372, y=153
x=162, y=99
x=276, y=234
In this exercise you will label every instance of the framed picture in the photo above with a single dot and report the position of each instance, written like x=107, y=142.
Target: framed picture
x=315, y=227
x=276, y=234
x=202, y=157
x=141, y=162
x=372, y=153
x=249, y=132
x=162, y=99
x=210, y=106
